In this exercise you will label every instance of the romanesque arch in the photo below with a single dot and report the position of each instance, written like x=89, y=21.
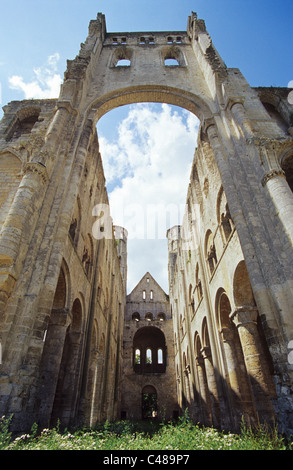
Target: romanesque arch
x=149, y=350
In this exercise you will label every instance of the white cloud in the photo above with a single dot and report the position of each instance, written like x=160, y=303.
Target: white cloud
x=46, y=82
x=151, y=159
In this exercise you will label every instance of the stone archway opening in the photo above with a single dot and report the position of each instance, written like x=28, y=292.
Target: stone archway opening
x=139, y=145
x=149, y=402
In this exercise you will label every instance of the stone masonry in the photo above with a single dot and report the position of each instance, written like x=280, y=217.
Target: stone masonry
x=73, y=345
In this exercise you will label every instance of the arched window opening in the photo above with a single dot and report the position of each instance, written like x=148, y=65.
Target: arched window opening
x=123, y=63
x=149, y=316
x=137, y=356
x=160, y=356
x=211, y=256
x=122, y=57
x=243, y=295
x=173, y=55
x=136, y=316
x=75, y=224
x=148, y=356
x=26, y=119
x=150, y=341
x=87, y=256
x=224, y=217
x=171, y=62
x=276, y=116
x=161, y=316
x=198, y=284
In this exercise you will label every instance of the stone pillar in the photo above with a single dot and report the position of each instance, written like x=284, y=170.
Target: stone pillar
x=205, y=405
x=212, y=385
x=231, y=361
x=281, y=195
x=242, y=120
x=274, y=180
x=50, y=364
x=241, y=396
x=245, y=319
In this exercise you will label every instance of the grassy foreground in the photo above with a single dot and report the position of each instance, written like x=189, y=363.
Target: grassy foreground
x=127, y=435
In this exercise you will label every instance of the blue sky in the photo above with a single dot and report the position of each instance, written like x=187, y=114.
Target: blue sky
x=37, y=37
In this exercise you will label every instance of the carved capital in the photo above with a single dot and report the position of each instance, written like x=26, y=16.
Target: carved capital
x=208, y=124
x=272, y=174
x=206, y=352
x=244, y=315
x=232, y=100
x=38, y=169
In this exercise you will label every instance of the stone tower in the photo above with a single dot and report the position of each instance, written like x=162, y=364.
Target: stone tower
x=62, y=279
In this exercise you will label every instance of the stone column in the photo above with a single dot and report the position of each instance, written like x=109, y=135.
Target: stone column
x=274, y=180
x=281, y=195
x=231, y=361
x=51, y=362
x=245, y=319
x=242, y=405
x=212, y=385
x=205, y=405
x=242, y=120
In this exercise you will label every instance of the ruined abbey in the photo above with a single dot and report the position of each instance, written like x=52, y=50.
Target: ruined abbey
x=74, y=346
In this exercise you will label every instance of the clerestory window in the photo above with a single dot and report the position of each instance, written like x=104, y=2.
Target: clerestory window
x=150, y=353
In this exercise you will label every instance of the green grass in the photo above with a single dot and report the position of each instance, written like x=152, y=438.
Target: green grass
x=128, y=435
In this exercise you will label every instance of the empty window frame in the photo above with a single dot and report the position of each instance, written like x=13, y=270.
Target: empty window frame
x=143, y=294
x=137, y=357
x=151, y=295
x=148, y=356
x=171, y=63
x=123, y=63
x=160, y=356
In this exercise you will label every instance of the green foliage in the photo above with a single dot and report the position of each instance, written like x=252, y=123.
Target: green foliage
x=143, y=435
x=5, y=435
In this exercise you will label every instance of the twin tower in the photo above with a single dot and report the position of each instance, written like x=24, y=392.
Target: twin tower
x=74, y=346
